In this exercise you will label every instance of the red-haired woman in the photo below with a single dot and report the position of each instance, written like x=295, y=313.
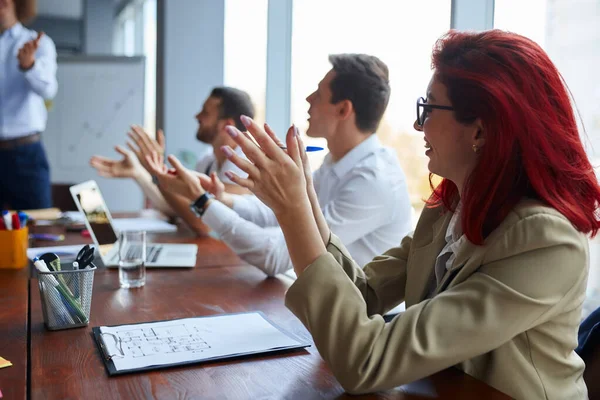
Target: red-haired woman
x=495, y=273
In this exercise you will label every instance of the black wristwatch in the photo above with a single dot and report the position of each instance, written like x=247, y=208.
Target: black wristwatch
x=199, y=206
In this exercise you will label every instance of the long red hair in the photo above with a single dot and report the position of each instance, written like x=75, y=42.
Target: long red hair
x=532, y=146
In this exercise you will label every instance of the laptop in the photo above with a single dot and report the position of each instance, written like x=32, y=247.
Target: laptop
x=100, y=224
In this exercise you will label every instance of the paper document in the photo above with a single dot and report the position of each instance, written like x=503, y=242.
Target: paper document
x=4, y=363
x=191, y=339
x=149, y=225
x=61, y=251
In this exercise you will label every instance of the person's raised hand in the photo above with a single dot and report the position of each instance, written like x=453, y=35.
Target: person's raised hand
x=26, y=54
x=143, y=145
x=212, y=184
x=126, y=167
x=179, y=180
x=274, y=176
x=303, y=156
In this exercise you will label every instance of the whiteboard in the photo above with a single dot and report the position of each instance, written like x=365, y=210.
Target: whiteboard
x=98, y=99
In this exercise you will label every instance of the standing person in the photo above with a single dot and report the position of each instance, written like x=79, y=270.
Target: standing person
x=27, y=78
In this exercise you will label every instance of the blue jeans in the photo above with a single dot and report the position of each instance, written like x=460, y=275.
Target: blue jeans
x=25, y=178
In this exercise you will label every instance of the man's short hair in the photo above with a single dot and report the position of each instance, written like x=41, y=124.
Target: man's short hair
x=364, y=80
x=234, y=102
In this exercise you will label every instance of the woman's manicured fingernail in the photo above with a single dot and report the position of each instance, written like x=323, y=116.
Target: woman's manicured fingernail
x=247, y=121
x=296, y=131
x=229, y=174
x=233, y=132
x=227, y=151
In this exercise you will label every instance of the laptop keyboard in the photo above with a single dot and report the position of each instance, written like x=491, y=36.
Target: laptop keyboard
x=152, y=252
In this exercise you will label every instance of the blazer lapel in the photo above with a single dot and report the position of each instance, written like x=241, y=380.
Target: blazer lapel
x=464, y=253
x=422, y=261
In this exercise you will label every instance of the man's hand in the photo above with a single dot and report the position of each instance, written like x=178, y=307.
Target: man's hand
x=179, y=180
x=212, y=184
x=145, y=146
x=127, y=167
x=26, y=54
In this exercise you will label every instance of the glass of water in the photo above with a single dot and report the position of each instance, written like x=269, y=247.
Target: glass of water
x=132, y=259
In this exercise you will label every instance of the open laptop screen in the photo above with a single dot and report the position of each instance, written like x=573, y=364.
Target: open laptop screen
x=95, y=210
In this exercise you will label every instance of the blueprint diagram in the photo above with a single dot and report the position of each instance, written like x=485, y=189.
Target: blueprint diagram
x=161, y=340
x=191, y=340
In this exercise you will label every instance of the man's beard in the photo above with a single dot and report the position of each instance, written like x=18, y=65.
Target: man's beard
x=206, y=135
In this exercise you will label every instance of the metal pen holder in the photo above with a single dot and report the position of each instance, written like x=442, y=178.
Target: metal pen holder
x=66, y=297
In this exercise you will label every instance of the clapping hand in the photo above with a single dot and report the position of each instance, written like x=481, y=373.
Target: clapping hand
x=179, y=180
x=280, y=179
x=276, y=178
x=26, y=54
x=212, y=184
x=127, y=167
x=145, y=146
x=303, y=156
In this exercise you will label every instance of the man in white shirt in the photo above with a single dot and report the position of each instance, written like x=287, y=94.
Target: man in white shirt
x=27, y=78
x=360, y=186
x=223, y=107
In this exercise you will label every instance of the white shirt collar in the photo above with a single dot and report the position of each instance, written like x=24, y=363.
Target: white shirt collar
x=454, y=231
x=343, y=166
x=15, y=30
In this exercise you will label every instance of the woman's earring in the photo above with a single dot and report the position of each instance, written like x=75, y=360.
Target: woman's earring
x=475, y=149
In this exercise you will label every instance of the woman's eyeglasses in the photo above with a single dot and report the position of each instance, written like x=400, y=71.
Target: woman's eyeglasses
x=423, y=109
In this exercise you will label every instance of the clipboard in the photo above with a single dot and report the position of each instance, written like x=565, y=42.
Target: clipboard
x=100, y=337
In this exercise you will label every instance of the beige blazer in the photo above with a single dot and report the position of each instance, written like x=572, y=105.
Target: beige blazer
x=506, y=312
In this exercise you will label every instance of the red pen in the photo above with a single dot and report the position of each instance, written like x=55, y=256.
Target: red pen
x=16, y=224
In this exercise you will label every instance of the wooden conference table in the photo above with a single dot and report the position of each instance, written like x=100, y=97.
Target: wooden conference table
x=67, y=365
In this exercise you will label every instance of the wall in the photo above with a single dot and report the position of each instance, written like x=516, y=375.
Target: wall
x=190, y=53
x=98, y=26
x=67, y=33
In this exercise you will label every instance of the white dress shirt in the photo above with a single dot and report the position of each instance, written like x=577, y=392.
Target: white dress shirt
x=454, y=239
x=364, y=199
x=208, y=164
x=22, y=93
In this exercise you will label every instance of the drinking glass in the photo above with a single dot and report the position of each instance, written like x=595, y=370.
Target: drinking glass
x=132, y=259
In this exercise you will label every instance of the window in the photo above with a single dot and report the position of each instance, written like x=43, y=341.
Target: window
x=569, y=32
x=149, y=44
x=395, y=31
x=245, y=59
x=135, y=34
x=124, y=35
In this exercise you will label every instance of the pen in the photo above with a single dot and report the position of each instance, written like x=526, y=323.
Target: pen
x=16, y=224
x=7, y=220
x=23, y=218
x=309, y=149
x=62, y=290
x=47, y=236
